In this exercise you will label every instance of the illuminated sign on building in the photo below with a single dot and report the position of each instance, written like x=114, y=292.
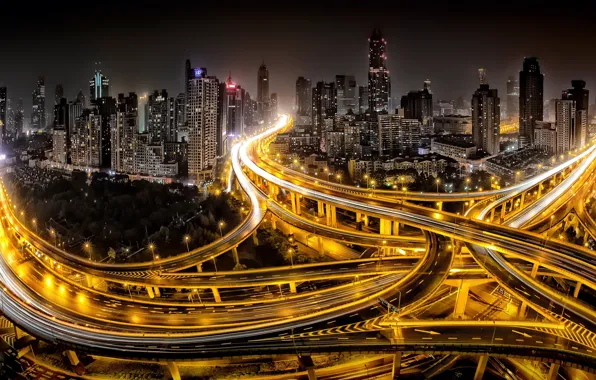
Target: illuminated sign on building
x=200, y=72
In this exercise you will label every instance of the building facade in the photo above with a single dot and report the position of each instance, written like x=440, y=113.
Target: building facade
x=38, y=112
x=99, y=87
x=486, y=119
x=263, y=100
x=531, y=107
x=303, y=97
x=379, y=85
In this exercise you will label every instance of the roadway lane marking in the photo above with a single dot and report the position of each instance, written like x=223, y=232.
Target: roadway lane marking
x=452, y=338
x=476, y=338
x=539, y=342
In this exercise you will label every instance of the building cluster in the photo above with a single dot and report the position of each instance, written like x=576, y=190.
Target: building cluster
x=182, y=134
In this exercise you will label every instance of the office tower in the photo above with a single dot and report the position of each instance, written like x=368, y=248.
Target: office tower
x=263, y=100
x=232, y=115
x=531, y=89
x=347, y=94
x=157, y=115
x=362, y=99
x=379, y=85
x=179, y=112
x=249, y=112
x=82, y=99
x=99, y=87
x=427, y=86
x=565, y=125
x=3, y=114
x=58, y=93
x=397, y=134
x=273, y=106
x=545, y=136
x=486, y=119
x=482, y=79
x=61, y=135
x=19, y=117
x=303, y=97
x=201, y=117
x=581, y=97
x=124, y=125
x=512, y=98
x=419, y=105
x=38, y=113
x=324, y=106
x=86, y=141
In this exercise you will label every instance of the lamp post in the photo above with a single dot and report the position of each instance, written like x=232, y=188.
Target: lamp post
x=214, y=264
x=186, y=239
x=220, y=224
x=291, y=252
x=437, y=181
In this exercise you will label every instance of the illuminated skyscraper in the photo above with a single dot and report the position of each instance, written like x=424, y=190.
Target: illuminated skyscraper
x=531, y=89
x=202, y=120
x=38, y=113
x=512, y=97
x=273, y=106
x=157, y=116
x=486, y=119
x=124, y=127
x=263, y=100
x=347, y=94
x=303, y=97
x=565, y=125
x=99, y=87
x=363, y=99
x=379, y=85
x=324, y=106
x=3, y=114
x=232, y=117
x=580, y=96
x=19, y=118
x=419, y=105
x=482, y=76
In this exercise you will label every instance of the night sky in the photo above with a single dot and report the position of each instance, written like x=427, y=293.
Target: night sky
x=142, y=46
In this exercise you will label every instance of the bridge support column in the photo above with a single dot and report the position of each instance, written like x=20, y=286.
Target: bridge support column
x=503, y=208
x=396, y=365
x=292, y=287
x=540, y=187
x=156, y=291
x=576, y=290
x=385, y=227
x=295, y=200
x=492, y=215
x=462, y=299
x=199, y=267
x=216, y=295
x=320, y=244
x=523, y=199
x=72, y=357
x=535, y=267
x=440, y=206
x=331, y=215
x=320, y=209
x=395, y=228
x=255, y=238
x=174, y=371
x=150, y=292
x=273, y=223
x=553, y=372
x=311, y=373
x=235, y=254
x=482, y=362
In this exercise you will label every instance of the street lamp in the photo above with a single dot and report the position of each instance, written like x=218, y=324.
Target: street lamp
x=366, y=178
x=214, y=264
x=437, y=181
x=339, y=178
x=221, y=224
x=186, y=239
x=291, y=252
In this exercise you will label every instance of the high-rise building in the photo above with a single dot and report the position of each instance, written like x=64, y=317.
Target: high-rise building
x=419, y=105
x=61, y=133
x=379, y=85
x=38, y=113
x=347, y=94
x=202, y=120
x=427, y=86
x=303, y=97
x=512, y=98
x=157, y=121
x=124, y=127
x=531, y=89
x=545, y=136
x=86, y=141
x=179, y=113
x=397, y=134
x=58, y=93
x=273, y=107
x=324, y=106
x=82, y=99
x=362, y=99
x=581, y=97
x=105, y=107
x=565, y=125
x=19, y=117
x=99, y=87
x=486, y=111
x=249, y=112
x=482, y=79
x=3, y=114
x=232, y=117
x=263, y=100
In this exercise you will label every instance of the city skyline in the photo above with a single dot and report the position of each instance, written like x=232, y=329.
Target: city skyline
x=443, y=58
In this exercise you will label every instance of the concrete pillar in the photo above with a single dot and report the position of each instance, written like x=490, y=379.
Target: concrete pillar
x=462, y=299
x=482, y=361
x=553, y=372
x=174, y=371
x=150, y=292
x=235, y=254
x=522, y=310
x=385, y=227
x=576, y=290
x=320, y=244
x=273, y=223
x=535, y=267
x=255, y=238
x=293, y=202
x=331, y=215
x=292, y=287
x=492, y=215
x=156, y=291
x=396, y=365
x=523, y=199
x=395, y=228
x=540, y=186
x=199, y=267
x=358, y=217
x=72, y=357
x=216, y=295
x=18, y=333
x=365, y=220
x=503, y=208
x=311, y=373
x=440, y=206
x=320, y=209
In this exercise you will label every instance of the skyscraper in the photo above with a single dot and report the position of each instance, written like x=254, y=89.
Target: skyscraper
x=482, y=76
x=157, y=116
x=273, y=106
x=81, y=98
x=38, y=113
x=263, y=100
x=531, y=89
x=486, y=111
x=303, y=97
x=179, y=113
x=232, y=115
x=202, y=120
x=324, y=106
x=99, y=87
x=19, y=117
x=379, y=85
x=124, y=127
x=347, y=94
x=565, y=125
x=58, y=93
x=3, y=114
x=419, y=105
x=581, y=97
x=363, y=99
x=512, y=98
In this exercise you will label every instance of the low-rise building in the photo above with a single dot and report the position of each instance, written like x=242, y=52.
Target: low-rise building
x=458, y=150
x=453, y=124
